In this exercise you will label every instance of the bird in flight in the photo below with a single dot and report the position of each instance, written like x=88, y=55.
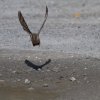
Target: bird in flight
x=34, y=36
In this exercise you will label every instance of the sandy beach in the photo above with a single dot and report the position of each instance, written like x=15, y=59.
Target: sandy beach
x=66, y=66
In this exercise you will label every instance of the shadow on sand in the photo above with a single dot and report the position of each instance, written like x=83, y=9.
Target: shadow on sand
x=36, y=67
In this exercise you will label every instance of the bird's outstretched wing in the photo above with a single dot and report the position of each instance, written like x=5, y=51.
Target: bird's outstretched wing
x=23, y=23
x=46, y=15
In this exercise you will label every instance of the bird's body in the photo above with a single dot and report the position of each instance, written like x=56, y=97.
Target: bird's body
x=35, y=39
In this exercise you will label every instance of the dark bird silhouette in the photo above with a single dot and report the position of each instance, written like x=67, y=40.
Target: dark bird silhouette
x=36, y=67
x=34, y=36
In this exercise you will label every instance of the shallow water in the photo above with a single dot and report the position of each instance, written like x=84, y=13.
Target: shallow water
x=8, y=93
x=72, y=25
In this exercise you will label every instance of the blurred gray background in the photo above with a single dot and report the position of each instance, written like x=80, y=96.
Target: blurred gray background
x=73, y=26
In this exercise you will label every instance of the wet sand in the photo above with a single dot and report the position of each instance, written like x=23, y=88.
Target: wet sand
x=66, y=66
x=50, y=76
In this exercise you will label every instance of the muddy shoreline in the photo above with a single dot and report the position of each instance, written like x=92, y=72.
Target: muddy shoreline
x=66, y=66
x=54, y=77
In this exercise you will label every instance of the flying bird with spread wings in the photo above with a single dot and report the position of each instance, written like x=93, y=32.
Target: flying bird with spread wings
x=34, y=36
